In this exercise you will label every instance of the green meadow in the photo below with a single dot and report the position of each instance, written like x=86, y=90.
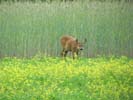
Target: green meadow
x=28, y=29
x=101, y=78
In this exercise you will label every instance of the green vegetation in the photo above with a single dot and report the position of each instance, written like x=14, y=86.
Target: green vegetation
x=30, y=34
x=27, y=29
x=56, y=79
x=34, y=1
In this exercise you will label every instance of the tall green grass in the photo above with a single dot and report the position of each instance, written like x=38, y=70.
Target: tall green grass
x=27, y=29
x=34, y=1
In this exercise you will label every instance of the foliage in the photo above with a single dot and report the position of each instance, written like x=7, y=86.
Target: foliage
x=56, y=79
x=30, y=28
x=63, y=0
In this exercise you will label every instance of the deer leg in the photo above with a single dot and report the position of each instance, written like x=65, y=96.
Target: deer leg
x=73, y=54
x=65, y=53
x=77, y=53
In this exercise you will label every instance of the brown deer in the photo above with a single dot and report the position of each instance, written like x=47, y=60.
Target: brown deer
x=71, y=44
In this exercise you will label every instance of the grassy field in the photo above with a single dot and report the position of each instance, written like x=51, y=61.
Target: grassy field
x=27, y=29
x=56, y=79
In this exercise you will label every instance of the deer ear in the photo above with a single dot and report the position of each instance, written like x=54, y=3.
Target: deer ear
x=76, y=40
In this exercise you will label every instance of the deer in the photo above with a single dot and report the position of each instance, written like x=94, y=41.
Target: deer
x=71, y=44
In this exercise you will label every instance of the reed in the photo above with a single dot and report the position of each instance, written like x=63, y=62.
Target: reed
x=27, y=29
